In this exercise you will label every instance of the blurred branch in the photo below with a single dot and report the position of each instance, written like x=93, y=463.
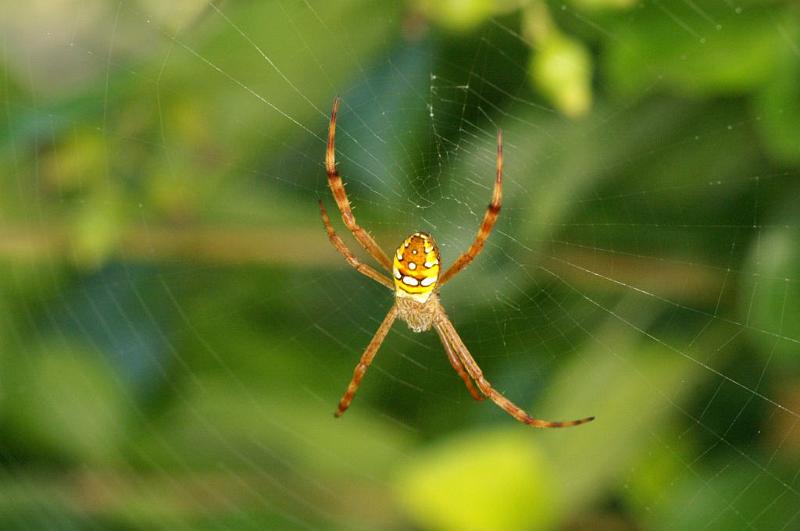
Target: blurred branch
x=217, y=245
x=661, y=277
x=307, y=247
x=153, y=497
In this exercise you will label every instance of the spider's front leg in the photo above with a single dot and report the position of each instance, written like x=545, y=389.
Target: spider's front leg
x=489, y=219
x=337, y=242
x=337, y=189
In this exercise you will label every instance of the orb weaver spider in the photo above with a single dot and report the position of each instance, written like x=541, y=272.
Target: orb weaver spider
x=415, y=281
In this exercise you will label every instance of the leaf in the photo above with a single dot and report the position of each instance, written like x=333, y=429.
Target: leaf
x=68, y=405
x=77, y=164
x=176, y=14
x=457, y=15
x=736, y=495
x=662, y=464
x=681, y=49
x=256, y=98
x=772, y=310
x=632, y=387
x=481, y=481
x=604, y=4
x=778, y=114
x=97, y=227
x=238, y=420
x=561, y=68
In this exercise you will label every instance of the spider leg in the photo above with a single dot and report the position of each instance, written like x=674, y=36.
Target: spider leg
x=459, y=367
x=339, y=194
x=446, y=328
x=366, y=360
x=337, y=242
x=489, y=219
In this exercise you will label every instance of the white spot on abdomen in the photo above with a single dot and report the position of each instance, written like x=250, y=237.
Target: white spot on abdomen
x=411, y=281
x=427, y=281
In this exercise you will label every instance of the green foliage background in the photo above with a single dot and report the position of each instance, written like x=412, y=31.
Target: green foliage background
x=175, y=329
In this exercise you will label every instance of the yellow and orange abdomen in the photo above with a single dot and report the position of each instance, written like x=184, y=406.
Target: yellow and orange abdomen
x=416, y=267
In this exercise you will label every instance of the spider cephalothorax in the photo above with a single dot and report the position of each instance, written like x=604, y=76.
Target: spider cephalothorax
x=415, y=281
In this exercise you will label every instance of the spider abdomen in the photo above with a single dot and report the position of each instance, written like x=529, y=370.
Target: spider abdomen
x=415, y=267
x=419, y=316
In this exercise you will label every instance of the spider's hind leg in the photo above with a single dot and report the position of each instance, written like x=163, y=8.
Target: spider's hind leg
x=366, y=360
x=459, y=367
x=446, y=328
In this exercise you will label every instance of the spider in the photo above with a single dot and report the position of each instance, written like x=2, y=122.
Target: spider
x=415, y=268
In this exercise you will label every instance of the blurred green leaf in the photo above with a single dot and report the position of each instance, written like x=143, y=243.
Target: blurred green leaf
x=659, y=465
x=778, y=110
x=175, y=15
x=7, y=324
x=68, y=404
x=772, y=273
x=483, y=481
x=604, y=4
x=457, y=15
x=561, y=68
x=240, y=420
x=700, y=53
x=631, y=386
x=77, y=164
x=287, y=445
x=97, y=227
x=241, y=116
x=733, y=495
x=36, y=503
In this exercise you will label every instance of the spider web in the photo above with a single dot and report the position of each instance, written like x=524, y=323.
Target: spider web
x=182, y=329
